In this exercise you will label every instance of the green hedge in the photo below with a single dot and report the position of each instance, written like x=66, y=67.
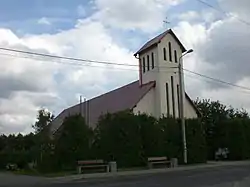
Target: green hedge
x=130, y=139
x=123, y=137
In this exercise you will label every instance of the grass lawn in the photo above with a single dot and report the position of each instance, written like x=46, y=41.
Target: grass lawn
x=36, y=173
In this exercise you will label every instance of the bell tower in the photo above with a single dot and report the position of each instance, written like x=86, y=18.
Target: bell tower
x=159, y=61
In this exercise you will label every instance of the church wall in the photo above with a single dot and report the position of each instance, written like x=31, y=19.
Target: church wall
x=168, y=69
x=189, y=111
x=149, y=75
x=147, y=104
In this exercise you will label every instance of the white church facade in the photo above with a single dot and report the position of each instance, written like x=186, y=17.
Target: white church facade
x=156, y=93
x=159, y=62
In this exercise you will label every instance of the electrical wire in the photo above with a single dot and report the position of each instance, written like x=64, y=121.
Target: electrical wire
x=217, y=80
x=68, y=58
x=77, y=64
x=225, y=13
x=77, y=60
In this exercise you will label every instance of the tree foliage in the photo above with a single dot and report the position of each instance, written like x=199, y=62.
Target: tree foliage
x=218, y=120
x=130, y=139
x=73, y=142
x=44, y=118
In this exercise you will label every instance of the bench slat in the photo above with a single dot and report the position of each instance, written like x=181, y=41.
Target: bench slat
x=83, y=162
x=151, y=159
x=93, y=166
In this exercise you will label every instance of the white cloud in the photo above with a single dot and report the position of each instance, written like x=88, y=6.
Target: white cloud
x=44, y=21
x=44, y=83
x=81, y=11
x=210, y=15
x=231, y=95
x=189, y=16
x=240, y=8
x=220, y=51
x=146, y=15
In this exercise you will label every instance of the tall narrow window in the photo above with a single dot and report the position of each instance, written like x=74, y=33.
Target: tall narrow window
x=164, y=54
x=167, y=99
x=143, y=64
x=148, y=65
x=178, y=99
x=175, y=56
x=173, y=96
x=170, y=51
x=153, y=60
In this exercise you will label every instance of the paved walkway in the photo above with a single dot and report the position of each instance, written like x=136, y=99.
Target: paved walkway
x=223, y=176
x=152, y=171
x=7, y=179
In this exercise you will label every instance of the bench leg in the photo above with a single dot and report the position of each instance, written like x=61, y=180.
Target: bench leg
x=107, y=169
x=150, y=165
x=79, y=170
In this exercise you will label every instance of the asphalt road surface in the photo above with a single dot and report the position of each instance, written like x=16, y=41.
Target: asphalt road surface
x=227, y=176
x=224, y=176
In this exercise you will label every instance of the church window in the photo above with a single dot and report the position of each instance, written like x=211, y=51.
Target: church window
x=164, y=54
x=143, y=64
x=148, y=65
x=175, y=56
x=167, y=99
x=178, y=99
x=173, y=96
x=170, y=51
x=153, y=60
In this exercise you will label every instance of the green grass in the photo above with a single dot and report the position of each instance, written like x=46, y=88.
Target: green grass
x=50, y=175
x=26, y=172
x=132, y=169
x=60, y=174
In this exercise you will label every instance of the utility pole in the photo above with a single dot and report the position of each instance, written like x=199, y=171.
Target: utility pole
x=182, y=94
x=80, y=105
x=85, y=110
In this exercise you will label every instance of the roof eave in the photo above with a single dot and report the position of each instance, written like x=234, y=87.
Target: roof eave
x=155, y=44
x=178, y=41
x=194, y=106
x=146, y=49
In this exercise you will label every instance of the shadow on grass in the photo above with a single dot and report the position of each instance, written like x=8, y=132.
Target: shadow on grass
x=49, y=175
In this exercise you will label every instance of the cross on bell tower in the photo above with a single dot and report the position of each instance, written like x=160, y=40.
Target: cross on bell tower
x=166, y=23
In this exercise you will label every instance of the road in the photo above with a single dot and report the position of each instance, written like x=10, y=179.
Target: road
x=224, y=176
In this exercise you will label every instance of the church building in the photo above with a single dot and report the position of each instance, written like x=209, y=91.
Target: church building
x=156, y=93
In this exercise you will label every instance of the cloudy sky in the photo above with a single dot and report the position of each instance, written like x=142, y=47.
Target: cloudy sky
x=112, y=30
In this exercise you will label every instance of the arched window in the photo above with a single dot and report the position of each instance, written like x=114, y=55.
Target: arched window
x=153, y=60
x=175, y=56
x=164, y=54
x=173, y=96
x=148, y=65
x=170, y=51
x=143, y=64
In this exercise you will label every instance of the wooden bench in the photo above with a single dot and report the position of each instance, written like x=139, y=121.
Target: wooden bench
x=158, y=161
x=91, y=164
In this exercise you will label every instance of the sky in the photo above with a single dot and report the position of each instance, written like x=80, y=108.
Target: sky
x=112, y=30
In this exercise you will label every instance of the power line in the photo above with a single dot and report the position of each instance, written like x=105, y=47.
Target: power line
x=69, y=58
x=64, y=63
x=62, y=57
x=75, y=63
x=193, y=76
x=224, y=12
x=99, y=62
x=217, y=80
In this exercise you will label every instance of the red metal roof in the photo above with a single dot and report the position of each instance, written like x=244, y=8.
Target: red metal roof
x=120, y=99
x=158, y=39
